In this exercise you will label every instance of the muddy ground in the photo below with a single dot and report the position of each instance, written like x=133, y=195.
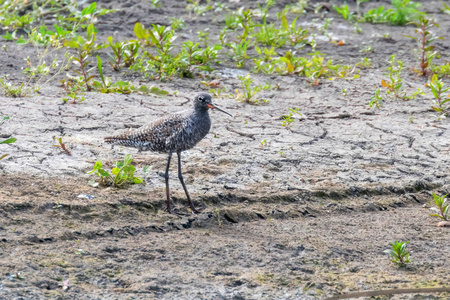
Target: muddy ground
x=304, y=213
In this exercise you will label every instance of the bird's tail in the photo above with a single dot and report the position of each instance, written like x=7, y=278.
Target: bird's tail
x=116, y=140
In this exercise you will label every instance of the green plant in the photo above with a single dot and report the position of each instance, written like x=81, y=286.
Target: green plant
x=231, y=22
x=8, y=140
x=245, y=20
x=176, y=23
x=239, y=54
x=394, y=85
x=426, y=51
x=12, y=90
x=118, y=48
x=159, y=60
x=446, y=9
x=278, y=37
x=365, y=63
x=39, y=70
x=120, y=176
x=122, y=87
x=403, y=11
x=36, y=74
x=203, y=36
x=62, y=146
x=441, y=102
x=376, y=100
x=312, y=68
x=81, y=19
x=289, y=118
x=345, y=12
x=199, y=10
x=249, y=91
x=73, y=90
x=155, y=3
x=84, y=48
x=398, y=253
x=442, y=209
x=271, y=36
x=441, y=71
x=358, y=7
x=264, y=62
x=124, y=53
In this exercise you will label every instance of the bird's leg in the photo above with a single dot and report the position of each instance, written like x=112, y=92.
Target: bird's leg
x=180, y=176
x=166, y=176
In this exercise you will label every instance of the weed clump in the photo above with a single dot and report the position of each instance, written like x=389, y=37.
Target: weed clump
x=425, y=52
x=121, y=175
x=443, y=207
x=398, y=253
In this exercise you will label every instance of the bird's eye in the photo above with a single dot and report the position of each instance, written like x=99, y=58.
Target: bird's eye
x=201, y=99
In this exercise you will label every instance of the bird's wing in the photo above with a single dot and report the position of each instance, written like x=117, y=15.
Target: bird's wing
x=153, y=135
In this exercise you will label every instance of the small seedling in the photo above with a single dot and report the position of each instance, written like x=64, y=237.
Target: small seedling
x=7, y=141
x=61, y=146
x=36, y=74
x=120, y=176
x=394, y=85
x=156, y=3
x=345, y=12
x=289, y=118
x=176, y=23
x=441, y=102
x=398, y=253
x=239, y=52
x=402, y=12
x=159, y=60
x=245, y=20
x=203, y=36
x=264, y=143
x=446, y=9
x=84, y=48
x=73, y=90
x=199, y=10
x=376, y=100
x=249, y=91
x=442, y=209
x=425, y=37
x=124, y=53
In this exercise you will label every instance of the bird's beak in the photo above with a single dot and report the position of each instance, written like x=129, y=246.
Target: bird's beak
x=213, y=106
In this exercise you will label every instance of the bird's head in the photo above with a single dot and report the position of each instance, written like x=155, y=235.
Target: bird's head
x=204, y=102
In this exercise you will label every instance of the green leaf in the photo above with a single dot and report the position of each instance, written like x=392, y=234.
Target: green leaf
x=99, y=67
x=284, y=22
x=115, y=171
x=141, y=32
x=89, y=10
x=8, y=141
x=158, y=91
x=138, y=180
x=71, y=44
x=103, y=173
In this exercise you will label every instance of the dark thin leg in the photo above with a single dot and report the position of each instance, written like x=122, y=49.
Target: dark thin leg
x=180, y=176
x=166, y=176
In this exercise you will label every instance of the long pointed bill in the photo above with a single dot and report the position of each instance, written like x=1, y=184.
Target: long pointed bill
x=213, y=106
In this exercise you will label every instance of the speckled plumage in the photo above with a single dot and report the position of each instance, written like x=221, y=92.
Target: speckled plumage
x=175, y=132
x=172, y=133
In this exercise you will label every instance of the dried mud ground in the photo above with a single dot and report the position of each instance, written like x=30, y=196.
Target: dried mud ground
x=304, y=215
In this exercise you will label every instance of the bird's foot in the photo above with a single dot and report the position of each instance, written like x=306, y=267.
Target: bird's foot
x=194, y=211
x=176, y=213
